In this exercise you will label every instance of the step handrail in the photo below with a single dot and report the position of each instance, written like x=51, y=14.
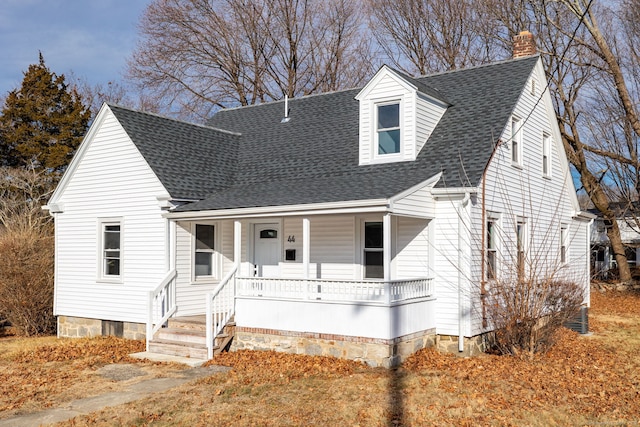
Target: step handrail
x=220, y=308
x=165, y=297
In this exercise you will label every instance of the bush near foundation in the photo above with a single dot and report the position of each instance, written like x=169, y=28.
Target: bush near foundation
x=527, y=314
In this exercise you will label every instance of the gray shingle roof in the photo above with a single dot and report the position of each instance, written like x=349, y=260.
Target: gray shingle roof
x=191, y=161
x=313, y=158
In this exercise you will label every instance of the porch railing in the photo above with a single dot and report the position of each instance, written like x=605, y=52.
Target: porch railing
x=220, y=308
x=374, y=291
x=161, y=304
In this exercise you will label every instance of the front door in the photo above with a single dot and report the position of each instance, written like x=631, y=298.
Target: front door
x=266, y=250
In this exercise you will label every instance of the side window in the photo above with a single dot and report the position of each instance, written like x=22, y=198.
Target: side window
x=564, y=244
x=492, y=248
x=388, y=128
x=521, y=236
x=204, y=247
x=373, y=250
x=516, y=141
x=110, y=243
x=546, y=155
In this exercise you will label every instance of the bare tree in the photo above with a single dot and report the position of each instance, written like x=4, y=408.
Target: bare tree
x=199, y=55
x=420, y=36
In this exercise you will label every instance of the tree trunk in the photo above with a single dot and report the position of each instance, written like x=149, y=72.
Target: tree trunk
x=617, y=247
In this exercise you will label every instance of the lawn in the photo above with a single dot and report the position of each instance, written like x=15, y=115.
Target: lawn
x=583, y=380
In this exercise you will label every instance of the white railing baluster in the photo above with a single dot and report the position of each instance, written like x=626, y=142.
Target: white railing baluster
x=377, y=291
x=161, y=304
x=220, y=308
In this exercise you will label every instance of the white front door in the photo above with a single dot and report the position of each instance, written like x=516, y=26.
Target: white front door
x=266, y=250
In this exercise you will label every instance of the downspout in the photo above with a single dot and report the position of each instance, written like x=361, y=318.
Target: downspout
x=461, y=256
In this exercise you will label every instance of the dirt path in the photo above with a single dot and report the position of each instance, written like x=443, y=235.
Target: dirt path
x=132, y=393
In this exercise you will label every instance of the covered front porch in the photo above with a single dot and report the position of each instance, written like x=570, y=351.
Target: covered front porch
x=361, y=277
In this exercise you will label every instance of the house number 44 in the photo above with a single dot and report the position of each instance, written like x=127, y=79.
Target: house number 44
x=291, y=239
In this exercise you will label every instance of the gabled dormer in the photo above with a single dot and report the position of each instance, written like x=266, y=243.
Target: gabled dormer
x=397, y=116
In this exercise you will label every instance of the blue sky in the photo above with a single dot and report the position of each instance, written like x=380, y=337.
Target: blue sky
x=91, y=38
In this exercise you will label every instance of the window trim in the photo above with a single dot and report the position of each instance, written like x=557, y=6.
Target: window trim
x=364, y=249
x=376, y=156
x=492, y=245
x=564, y=244
x=522, y=236
x=546, y=155
x=516, y=141
x=102, y=275
x=215, y=254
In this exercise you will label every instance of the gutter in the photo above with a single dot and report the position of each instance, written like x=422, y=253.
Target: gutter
x=372, y=205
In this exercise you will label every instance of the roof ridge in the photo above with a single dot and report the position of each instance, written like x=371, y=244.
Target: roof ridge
x=160, y=116
x=275, y=101
x=475, y=67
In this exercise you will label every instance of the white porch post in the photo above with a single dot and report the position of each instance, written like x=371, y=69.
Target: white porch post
x=386, y=253
x=386, y=246
x=237, y=241
x=306, y=247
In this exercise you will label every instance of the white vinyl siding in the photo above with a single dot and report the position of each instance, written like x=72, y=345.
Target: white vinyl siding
x=412, y=249
x=451, y=267
x=418, y=203
x=428, y=114
x=112, y=180
x=523, y=193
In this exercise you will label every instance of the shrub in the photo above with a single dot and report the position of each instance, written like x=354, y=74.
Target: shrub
x=526, y=314
x=26, y=280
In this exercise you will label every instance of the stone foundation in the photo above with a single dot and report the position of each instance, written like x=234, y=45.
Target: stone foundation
x=472, y=346
x=81, y=327
x=374, y=352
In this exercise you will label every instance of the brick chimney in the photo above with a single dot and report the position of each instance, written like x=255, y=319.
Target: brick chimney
x=524, y=45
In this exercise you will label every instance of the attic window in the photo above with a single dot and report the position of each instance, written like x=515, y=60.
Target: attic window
x=388, y=128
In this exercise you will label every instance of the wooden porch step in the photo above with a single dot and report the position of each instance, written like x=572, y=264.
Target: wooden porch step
x=178, y=348
x=182, y=335
x=188, y=322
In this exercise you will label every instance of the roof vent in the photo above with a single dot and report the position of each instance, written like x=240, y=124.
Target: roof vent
x=286, y=117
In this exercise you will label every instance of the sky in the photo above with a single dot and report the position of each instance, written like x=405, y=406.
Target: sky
x=90, y=38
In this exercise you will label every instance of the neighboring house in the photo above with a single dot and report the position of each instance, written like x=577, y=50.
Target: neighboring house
x=602, y=259
x=351, y=223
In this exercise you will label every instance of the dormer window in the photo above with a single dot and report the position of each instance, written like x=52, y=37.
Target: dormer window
x=388, y=128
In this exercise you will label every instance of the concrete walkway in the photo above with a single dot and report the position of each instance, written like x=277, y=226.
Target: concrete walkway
x=134, y=392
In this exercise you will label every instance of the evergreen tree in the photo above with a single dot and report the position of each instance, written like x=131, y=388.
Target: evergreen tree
x=43, y=122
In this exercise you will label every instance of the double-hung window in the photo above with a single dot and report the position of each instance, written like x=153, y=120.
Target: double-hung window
x=492, y=248
x=204, y=265
x=564, y=244
x=516, y=141
x=373, y=250
x=521, y=235
x=546, y=155
x=111, y=249
x=388, y=128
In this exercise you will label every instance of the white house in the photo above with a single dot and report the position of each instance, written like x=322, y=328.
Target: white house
x=602, y=258
x=360, y=223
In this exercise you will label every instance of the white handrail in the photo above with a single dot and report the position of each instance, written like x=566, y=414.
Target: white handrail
x=161, y=304
x=220, y=306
